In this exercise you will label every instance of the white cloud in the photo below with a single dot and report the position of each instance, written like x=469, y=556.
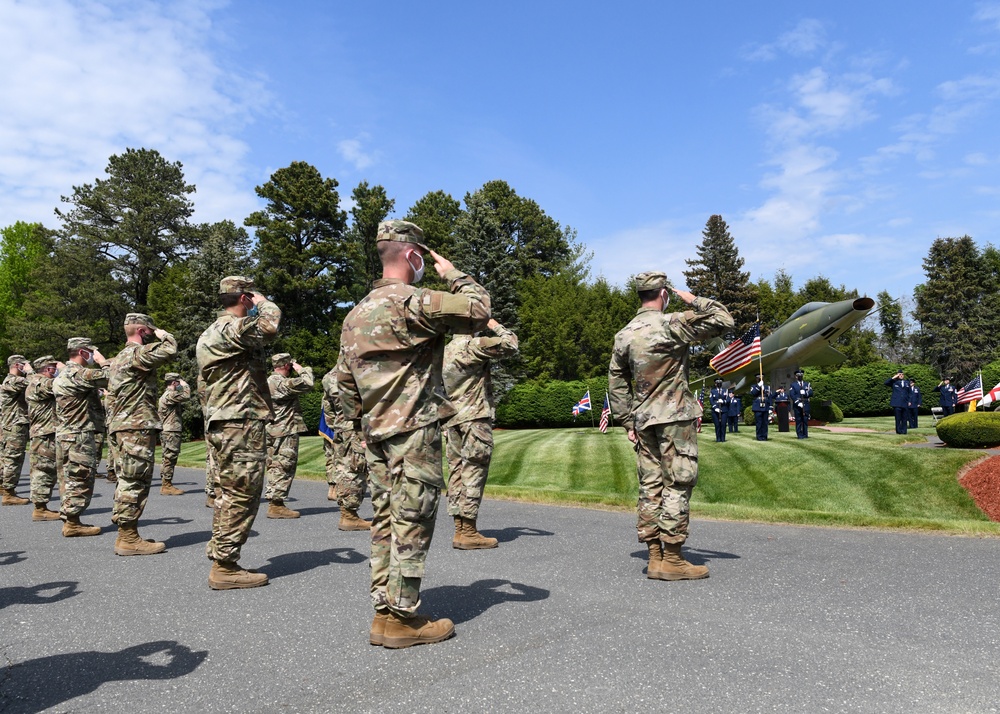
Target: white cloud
x=83, y=80
x=806, y=38
x=351, y=151
x=657, y=246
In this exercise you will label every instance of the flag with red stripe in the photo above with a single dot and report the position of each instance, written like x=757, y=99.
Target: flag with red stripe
x=739, y=353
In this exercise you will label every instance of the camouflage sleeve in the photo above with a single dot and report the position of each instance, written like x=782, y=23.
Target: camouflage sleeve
x=504, y=344
x=43, y=389
x=348, y=392
x=177, y=396
x=249, y=332
x=620, y=387
x=14, y=384
x=708, y=319
x=466, y=309
x=330, y=384
x=92, y=376
x=301, y=384
x=149, y=357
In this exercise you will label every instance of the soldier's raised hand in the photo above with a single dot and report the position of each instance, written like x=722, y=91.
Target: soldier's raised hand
x=684, y=295
x=441, y=264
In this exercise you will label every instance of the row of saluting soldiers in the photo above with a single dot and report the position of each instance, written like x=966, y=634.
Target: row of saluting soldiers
x=727, y=407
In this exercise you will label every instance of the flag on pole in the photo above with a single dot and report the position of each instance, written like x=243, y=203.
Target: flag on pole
x=605, y=415
x=739, y=353
x=324, y=428
x=973, y=391
x=583, y=405
x=992, y=396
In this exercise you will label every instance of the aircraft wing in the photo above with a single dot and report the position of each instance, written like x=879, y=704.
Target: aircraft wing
x=827, y=355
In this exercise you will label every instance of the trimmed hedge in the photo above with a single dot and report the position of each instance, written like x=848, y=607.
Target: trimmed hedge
x=550, y=404
x=970, y=430
x=829, y=413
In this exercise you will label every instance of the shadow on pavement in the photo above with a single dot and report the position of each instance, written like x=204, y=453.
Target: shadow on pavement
x=166, y=521
x=43, y=683
x=94, y=512
x=506, y=535
x=38, y=594
x=11, y=557
x=293, y=563
x=462, y=603
x=695, y=556
x=190, y=538
x=314, y=510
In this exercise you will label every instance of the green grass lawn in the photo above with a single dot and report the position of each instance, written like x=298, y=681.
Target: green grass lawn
x=858, y=479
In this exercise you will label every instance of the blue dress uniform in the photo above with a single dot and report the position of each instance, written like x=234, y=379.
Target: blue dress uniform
x=900, y=399
x=800, y=393
x=735, y=411
x=781, y=405
x=761, y=407
x=916, y=399
x=949, y=396
x=718, y=399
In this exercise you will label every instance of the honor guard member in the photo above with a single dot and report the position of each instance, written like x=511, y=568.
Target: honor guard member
x=735, y=411
x=42, y=449
x=233, y=368
x=761, y=406
x=782, y=404
x=14, y=418
x=79, y=414
x=346, y=467
x=718, y=398
x=133, y=424
x=389, y=374
x=283, y=431
x=107, y=406
x=801, y=393
x=900, y=400
x=176, y=394
x=916, y=400
x=949, y=396
x=469, y=432
x=648, y=386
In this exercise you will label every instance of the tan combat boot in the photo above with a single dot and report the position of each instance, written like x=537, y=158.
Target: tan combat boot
x=42, y=513
x=209, y=501
x=417, y=630
x=471, y=538
x=331, y=493
x=378, y=628
x=72, y=528
x=111, y=477
x=654, y=570
x=230, y=576
x=351, y=521
x=10, y=498
x=168, y=489
x=674, y=567
x=129, y=542
x=278, y=509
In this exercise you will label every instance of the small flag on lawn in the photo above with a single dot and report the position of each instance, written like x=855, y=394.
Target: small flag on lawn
x=605, y=415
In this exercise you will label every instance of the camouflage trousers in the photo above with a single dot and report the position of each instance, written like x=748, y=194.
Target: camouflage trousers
x=239, y=451
x=347, y=467
x=15, y=443
x=76, y=459
x=211, y=470
x=100, y=440
x=406, y=480
x=470, y=446
x=136, y=449
x=667, y=468
x=171, y=442
x=44, y=475
x=282, y=458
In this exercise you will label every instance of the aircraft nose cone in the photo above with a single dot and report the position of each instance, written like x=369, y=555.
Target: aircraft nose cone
x=865, y=303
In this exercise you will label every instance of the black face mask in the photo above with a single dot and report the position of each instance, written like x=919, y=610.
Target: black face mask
x=148, y=338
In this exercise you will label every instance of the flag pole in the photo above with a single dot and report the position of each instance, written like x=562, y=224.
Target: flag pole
x=611, y=414
x=760, y=356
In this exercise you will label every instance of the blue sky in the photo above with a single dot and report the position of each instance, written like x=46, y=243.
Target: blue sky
x=834, y=138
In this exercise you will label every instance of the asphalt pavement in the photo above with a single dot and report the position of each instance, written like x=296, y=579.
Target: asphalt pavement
x=559, y=618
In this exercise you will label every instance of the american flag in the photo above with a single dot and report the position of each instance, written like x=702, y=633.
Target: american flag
x=973, y=391
x=739, y=353
x=605, y=415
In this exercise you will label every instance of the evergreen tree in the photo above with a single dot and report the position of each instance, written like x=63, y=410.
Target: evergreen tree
x=22, y=248
x=776, y=301
x=893, y=342
x=717, y=274
x=371, y=206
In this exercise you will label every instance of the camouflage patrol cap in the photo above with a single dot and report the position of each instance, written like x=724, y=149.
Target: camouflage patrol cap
x=171, y=377
x=651, y=280
x=138, y=318
x=16, y=359
x=281, y=359
x=43, y=362
x=236, y=284
x=402, y=231
x=79, y=343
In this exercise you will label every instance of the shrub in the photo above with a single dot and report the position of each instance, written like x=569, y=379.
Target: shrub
x=827, y=411
x=748, y=418
x=550, y=404
x=970, y=430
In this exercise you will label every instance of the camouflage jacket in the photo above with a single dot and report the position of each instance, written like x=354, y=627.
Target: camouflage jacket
x=648, y=375
x=171, y=405
x=467, y=372
x=391, y=349
x=233, y=365
x=133, y=384
x=78, y=399
x=41, y=405
x=285, y=393
x=332, y=409
x=107, y=402
x=13, y=406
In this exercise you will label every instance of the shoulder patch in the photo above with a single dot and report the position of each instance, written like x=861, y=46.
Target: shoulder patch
x=436, y=303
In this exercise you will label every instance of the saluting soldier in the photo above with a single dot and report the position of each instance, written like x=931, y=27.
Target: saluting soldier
x=900, y=399
x=781, y=404
x=389, y=374
x=718, y=398
x=176, y=394
x=346, y=466
x=801, y=393
x=735, y=411
x=14, y=417
x=283, y=431
x=949, y=396
x=42, y=451
x=761, y=394
x=916, y=400
x=648, y=386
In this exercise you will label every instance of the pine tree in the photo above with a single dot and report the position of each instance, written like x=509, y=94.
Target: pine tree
x=717, y=274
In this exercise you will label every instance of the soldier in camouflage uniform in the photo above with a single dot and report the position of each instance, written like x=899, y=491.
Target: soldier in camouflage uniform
x=107, y=406
x=389, y=374
x=14, y=418
x=233, y=368
x=211, y=471
x=648, y=385
x=78, y=411
x=470, y=431
x=175, y=394
x=42, y=452
x=283, y=432
x=133, y=424
x=346, y=466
